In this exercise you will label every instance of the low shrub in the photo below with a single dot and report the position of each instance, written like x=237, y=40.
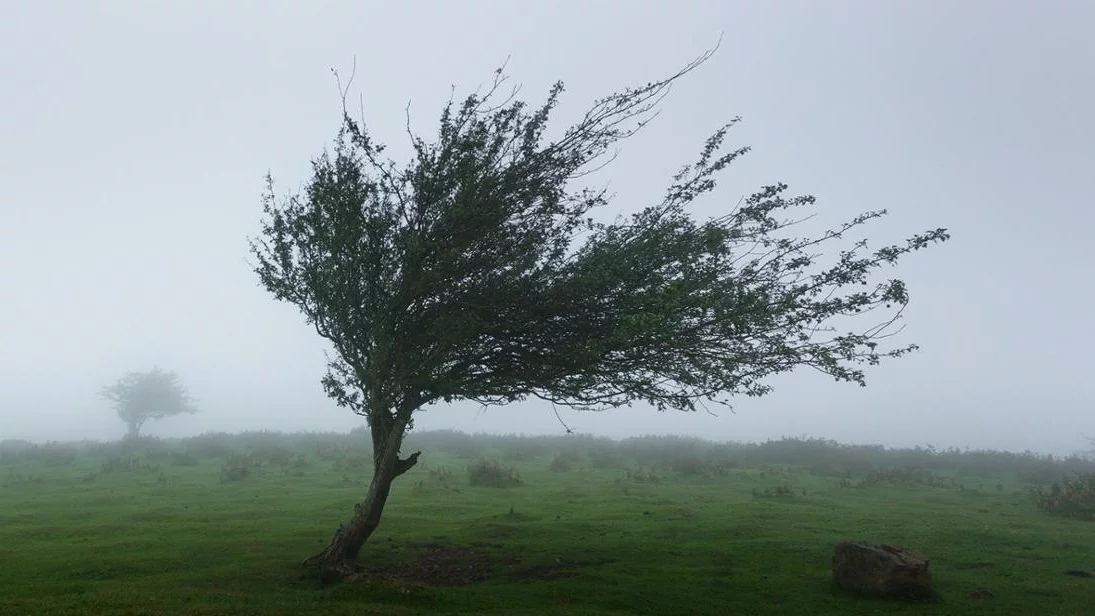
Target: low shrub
x=441, y=474
x=1071, y=497
x=907, y=476
x=238, y=467
x=12, y=450
x=352, y=463
x=777, y=491
x=562, y=463
x=209, y=445
x=274, y=454
x=491, y=474
x=605, y=457
x=55, y=454
x=642, y=476
x=184, y=459
x=121, y=464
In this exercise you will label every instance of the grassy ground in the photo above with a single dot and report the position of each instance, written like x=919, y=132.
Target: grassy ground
x=167, y=534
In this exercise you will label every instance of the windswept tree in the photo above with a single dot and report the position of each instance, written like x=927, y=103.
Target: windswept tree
x=140, y=396
x=475, y=272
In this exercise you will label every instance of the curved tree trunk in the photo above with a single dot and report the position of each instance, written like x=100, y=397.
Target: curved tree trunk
x=339, y=558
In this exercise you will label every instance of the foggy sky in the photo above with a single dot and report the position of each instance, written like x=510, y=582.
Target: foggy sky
x=134, y=138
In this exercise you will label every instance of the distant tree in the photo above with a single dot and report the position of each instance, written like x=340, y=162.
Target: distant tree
x=474, y=272
x=140, y=396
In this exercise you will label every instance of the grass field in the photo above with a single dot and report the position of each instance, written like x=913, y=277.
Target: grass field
x=219, y=524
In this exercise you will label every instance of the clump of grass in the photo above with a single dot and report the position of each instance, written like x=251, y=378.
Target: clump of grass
x=56, y=454
x=297, y=465
x=436, y=478
x=907, y=476
x=181, y=458
x=209, y=445
x=15, y=479
x=441, y=474
x=491, y=474
x=1070, y=498
x=12, y=450
x=352, y=463
x=238, y=467
x=642, y=476
x=125, y=464
x=605, y=456
x=696, y=466
x=562, y=463
x=274, y=454
x=777, y=491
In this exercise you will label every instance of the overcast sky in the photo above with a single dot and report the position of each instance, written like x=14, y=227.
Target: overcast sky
x=134, y=138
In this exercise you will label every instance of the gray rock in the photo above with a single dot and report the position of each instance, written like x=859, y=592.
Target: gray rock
x=882, y=570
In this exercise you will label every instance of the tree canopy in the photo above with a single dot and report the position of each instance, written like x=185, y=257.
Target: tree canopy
x=475, y=271
x=140, y=396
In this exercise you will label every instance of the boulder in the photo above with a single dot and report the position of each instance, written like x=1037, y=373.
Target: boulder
x=882, y=570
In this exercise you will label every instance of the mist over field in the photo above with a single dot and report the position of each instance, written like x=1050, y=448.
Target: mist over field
x=135, y=138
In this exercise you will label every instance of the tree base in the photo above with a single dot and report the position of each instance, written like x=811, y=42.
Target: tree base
x=330, y=570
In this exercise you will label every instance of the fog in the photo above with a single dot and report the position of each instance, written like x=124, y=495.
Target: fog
x=135, y=136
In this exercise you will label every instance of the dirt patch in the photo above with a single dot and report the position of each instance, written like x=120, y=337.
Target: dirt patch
x=439, y=565
x=561, y=568
x=543, y=572
x=436, y=566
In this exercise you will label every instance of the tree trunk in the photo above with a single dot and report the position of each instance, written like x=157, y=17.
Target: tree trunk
x=340, y=556
x=134, y=431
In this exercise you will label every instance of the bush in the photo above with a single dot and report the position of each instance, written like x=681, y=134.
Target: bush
x=605, y=457
x=777, y=491
x=491, y=474
x=184, y=459
x=352, y=463
x=441, y=474
x=55, y=454
x=562, y=463
x=121, y=464
x=908, y=476
x=299, y=463
x=238, y=468
x=275, y=454
x=12, y=450
x=1071, y=497
x=209, y=445
x=693, y=466
x=641, y=476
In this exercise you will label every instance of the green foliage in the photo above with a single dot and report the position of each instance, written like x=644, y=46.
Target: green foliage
x=180, y=458
x=476, y=271
x=695, y=466
x=562, y=463
x=349, y=462
x=209, y=445
x=640, y=475
x=12, y=450
x=907, y=476
x=605, y=456
x=1072, y=497
x=440, y=478
x=140, y=396
x=468, y=256
x=441, y=474
x=778, y=491
x=120, y=464
x=239, y=467
x=55, y=454
x=491, y=474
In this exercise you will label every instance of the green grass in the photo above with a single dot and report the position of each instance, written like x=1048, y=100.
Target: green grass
x=176, y=540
